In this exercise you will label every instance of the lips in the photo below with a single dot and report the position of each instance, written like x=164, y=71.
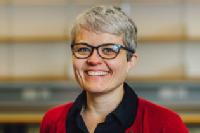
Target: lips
x=97, y=73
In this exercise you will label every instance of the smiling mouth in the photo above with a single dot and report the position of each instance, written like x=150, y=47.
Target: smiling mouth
x=97, y=73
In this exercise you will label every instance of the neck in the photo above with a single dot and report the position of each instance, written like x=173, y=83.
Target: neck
x=103, y=104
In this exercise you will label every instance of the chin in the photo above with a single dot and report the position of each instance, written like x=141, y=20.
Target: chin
x=94, y=88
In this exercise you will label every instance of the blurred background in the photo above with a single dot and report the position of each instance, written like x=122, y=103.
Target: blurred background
x=35, y=59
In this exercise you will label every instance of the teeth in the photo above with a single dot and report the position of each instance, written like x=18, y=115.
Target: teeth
x=96, y=73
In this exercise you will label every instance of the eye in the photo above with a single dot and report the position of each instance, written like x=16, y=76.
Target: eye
x=84, y=51
x=81, y=49
x=109, y=50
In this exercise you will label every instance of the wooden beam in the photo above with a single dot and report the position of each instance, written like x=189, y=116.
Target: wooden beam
x=33, y=39
x=191, y=118
x=24, y=118
x=34, y=78
x=64, y=38
x=27, y=118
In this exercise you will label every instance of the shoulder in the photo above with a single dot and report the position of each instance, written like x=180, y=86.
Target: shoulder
x=55, y=118
x=152, y=108
x=60, y=108
x=58, y=111
x=165, y=118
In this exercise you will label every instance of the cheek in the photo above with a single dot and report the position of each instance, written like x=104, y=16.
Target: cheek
x=77, y=67
x=77, y=64
x=74, y=64
x=118, y=67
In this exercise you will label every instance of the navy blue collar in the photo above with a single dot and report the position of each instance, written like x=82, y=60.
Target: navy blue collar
x=125, y=112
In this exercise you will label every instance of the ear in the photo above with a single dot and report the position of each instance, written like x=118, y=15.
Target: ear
x=132, y=62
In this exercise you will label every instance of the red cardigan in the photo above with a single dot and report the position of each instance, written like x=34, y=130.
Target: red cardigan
x=151, y=118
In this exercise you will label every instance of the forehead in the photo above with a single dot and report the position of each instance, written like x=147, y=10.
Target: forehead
x=96, y=38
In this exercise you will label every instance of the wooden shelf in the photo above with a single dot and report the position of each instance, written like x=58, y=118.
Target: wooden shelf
x=130, y=78
x=33, y=39
x=20, y=118
x=88, y=2
x=191, y=118
x=27, y=118
x=38, y=39
x=33, y=78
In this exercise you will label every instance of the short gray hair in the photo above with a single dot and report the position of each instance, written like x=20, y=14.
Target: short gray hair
x=107, y=20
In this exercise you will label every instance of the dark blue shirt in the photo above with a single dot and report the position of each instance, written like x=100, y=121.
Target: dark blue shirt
x=116, y=122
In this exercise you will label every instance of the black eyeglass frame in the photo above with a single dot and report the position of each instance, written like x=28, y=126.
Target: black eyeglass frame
x=119, y=46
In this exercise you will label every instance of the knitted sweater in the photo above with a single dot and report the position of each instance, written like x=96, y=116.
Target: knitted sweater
x=150, y=118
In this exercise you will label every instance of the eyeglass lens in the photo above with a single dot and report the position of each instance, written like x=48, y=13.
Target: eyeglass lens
x=106, y=51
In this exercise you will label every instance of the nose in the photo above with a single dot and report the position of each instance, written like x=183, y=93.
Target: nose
x=94, y=59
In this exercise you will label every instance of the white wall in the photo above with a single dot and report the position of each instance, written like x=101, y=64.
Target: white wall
x=156, y=60
x=156, y=20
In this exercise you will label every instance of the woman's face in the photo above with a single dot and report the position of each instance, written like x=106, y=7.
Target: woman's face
x=97, y=75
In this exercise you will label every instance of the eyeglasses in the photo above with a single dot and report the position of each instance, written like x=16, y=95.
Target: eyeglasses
x=105, y=51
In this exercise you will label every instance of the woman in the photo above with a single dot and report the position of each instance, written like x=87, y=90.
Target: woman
x=103, y=44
